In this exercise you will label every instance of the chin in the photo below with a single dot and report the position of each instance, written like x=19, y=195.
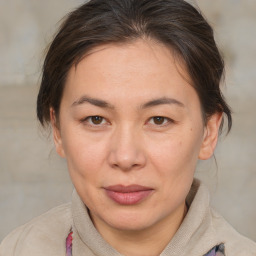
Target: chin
x=131, y=226
x=130, y=220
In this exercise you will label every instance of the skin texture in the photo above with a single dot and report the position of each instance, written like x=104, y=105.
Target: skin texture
x=127, y=145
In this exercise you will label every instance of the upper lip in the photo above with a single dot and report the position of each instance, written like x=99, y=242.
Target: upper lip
x=127, y=189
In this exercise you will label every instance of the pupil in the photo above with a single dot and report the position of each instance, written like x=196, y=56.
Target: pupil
x=97, y=119
x=158, y=120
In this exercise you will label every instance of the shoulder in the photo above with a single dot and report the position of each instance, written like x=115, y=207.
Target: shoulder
x=44, y=235
x=235, y=243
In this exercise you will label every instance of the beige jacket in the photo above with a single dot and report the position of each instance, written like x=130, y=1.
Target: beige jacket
x=201, y=230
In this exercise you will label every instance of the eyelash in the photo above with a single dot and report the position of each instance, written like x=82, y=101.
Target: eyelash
x=88, y=121
x=166, y=121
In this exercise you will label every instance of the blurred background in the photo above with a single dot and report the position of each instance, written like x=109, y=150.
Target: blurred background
x=34, y=179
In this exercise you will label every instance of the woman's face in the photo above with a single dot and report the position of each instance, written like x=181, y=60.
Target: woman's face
x=131, y=130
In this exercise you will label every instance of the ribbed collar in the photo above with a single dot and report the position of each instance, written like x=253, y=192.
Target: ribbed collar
x=87, y=241
x=195, y=237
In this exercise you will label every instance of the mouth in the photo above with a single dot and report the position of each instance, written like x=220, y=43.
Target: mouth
x=128, y=195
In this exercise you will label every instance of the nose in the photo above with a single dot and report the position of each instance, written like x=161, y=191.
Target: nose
x=126, y=150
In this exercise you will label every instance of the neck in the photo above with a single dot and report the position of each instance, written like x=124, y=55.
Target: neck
x=143, y=242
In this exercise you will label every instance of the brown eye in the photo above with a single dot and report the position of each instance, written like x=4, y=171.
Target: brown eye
x=159, y=120
x=96, y=119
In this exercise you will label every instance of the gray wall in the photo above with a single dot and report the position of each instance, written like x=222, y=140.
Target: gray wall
x=34, y=179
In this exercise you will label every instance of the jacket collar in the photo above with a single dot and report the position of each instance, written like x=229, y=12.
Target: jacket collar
x=195, y=236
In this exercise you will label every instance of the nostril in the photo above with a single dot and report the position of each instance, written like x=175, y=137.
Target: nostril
x=127, y=162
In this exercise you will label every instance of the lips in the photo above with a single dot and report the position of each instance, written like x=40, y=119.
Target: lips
x=128, y=195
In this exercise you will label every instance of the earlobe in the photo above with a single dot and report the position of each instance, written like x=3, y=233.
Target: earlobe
x=210, y=136
x=56, y=134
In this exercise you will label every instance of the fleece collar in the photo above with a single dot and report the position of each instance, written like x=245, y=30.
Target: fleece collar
x=195, y=237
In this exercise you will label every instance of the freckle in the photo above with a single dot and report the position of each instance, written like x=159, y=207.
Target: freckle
x=191, y=129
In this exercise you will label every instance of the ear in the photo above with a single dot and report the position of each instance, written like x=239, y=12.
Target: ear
x=210, y=136
x=56, y=134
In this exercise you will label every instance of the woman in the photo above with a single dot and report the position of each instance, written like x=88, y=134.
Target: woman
x=131, y=89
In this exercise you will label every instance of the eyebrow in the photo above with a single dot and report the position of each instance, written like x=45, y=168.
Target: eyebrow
x=162, y=101
x=104, y=104
x=92, y=101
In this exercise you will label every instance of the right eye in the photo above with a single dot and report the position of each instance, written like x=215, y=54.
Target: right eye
x=95, y=120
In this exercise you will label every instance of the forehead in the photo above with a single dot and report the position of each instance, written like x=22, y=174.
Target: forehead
x=146, y=50
x=142, y=67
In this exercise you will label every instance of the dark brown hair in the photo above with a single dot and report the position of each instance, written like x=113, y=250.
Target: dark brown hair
x=175, y=23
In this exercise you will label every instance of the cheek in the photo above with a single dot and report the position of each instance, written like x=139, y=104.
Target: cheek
x=176, y=153
x=175, y=160
x=84, y=159
x=84, y=154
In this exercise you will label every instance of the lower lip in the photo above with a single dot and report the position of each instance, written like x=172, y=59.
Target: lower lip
x=129, y=198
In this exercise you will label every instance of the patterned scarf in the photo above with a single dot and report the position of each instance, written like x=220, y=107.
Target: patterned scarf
x=69, y=241
x=216, y=251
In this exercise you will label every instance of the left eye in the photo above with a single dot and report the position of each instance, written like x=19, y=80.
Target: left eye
x=159, y=120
